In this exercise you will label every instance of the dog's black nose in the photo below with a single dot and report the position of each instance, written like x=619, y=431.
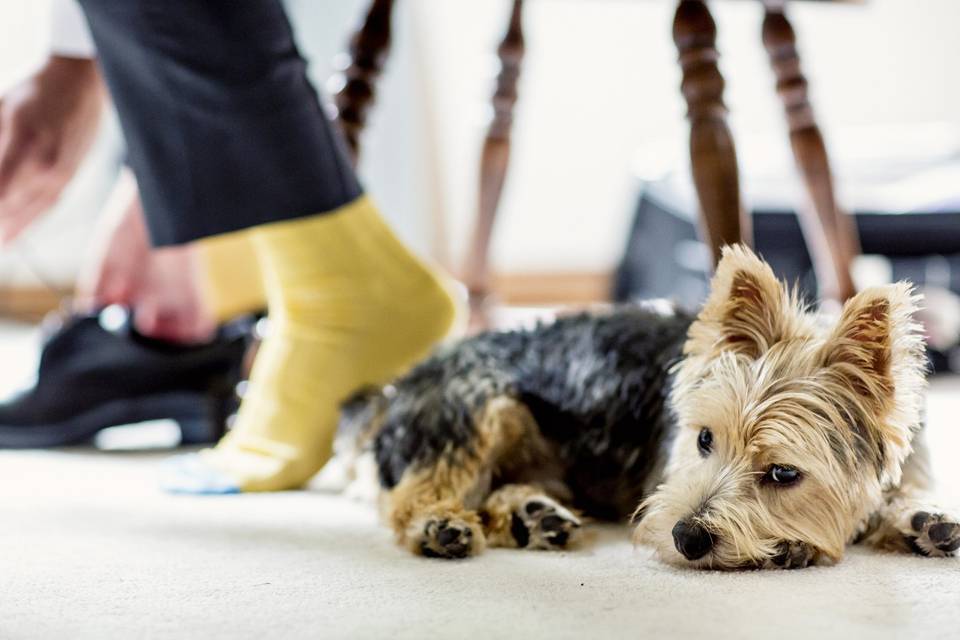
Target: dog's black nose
x=692, y=540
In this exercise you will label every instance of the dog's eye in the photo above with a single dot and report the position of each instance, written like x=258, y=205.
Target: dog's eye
x=705, y=442
x=781, y=475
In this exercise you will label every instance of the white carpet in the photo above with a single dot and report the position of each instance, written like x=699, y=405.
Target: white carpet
x=90, y=549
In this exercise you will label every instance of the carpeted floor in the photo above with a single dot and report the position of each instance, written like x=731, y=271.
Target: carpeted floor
x=90, y=549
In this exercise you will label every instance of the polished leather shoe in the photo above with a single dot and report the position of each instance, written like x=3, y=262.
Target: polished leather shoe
x=97, y=372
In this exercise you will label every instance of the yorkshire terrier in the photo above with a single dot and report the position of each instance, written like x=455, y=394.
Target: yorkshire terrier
x=751, y=435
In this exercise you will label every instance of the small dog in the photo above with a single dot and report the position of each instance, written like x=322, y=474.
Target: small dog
x=750, y=436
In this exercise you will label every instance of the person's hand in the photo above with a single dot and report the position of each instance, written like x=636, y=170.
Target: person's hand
x=162, y=287
x=47, y=124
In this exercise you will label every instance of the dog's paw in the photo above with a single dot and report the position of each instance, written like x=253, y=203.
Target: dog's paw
x=542, y=523
x=933, y=534
x=450, y=538
x=793, y=555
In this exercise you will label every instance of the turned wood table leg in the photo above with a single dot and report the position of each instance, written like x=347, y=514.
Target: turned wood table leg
x=712, y=152
x=494, y=161
x=829, y=232
x=367, y=52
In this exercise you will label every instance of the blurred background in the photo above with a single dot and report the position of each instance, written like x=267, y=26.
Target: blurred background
x=598, y=198
x=599, y=121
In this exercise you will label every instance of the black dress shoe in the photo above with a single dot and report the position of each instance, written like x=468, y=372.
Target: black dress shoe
x=97, y=372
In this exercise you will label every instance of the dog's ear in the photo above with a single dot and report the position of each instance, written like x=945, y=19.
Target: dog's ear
x=877, y=341
x=747, y=309
x=876, y=357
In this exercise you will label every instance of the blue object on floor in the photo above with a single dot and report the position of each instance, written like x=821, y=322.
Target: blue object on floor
x=188, y=474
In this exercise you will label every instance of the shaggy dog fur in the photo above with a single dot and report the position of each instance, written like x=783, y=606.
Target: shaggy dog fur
x=751, y=435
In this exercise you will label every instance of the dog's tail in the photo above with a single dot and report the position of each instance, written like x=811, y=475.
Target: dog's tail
x=362, y=414
x=352, y=471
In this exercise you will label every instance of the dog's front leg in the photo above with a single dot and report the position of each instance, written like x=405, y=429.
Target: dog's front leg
x=433, y=509
x=910, y=520
x=525, y=517
x=914, y=524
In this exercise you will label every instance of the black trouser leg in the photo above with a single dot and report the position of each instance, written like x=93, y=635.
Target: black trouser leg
x=223, y=129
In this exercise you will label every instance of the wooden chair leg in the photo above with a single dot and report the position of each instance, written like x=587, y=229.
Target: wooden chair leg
x=712, y=152
x=494, y=161
x=367, y=52
x=829, y=232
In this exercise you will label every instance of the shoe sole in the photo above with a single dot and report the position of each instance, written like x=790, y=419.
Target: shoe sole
x=201, y=418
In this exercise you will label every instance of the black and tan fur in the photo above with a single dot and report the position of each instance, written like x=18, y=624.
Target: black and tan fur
x=505, y=439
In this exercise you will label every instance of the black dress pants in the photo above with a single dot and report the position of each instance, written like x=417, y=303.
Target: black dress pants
x=224, y=131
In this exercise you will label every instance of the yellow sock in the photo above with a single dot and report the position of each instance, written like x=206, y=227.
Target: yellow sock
x=349, y=306
x=232, y=281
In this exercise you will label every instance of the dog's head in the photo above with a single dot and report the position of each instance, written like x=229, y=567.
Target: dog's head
x=788, y=430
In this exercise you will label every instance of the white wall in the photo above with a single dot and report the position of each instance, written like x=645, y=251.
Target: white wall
x=599, y=91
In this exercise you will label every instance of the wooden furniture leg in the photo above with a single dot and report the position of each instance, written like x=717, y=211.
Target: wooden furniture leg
x=712, y=153
x=829, y=232
x=367, y=52
x=494, y=161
